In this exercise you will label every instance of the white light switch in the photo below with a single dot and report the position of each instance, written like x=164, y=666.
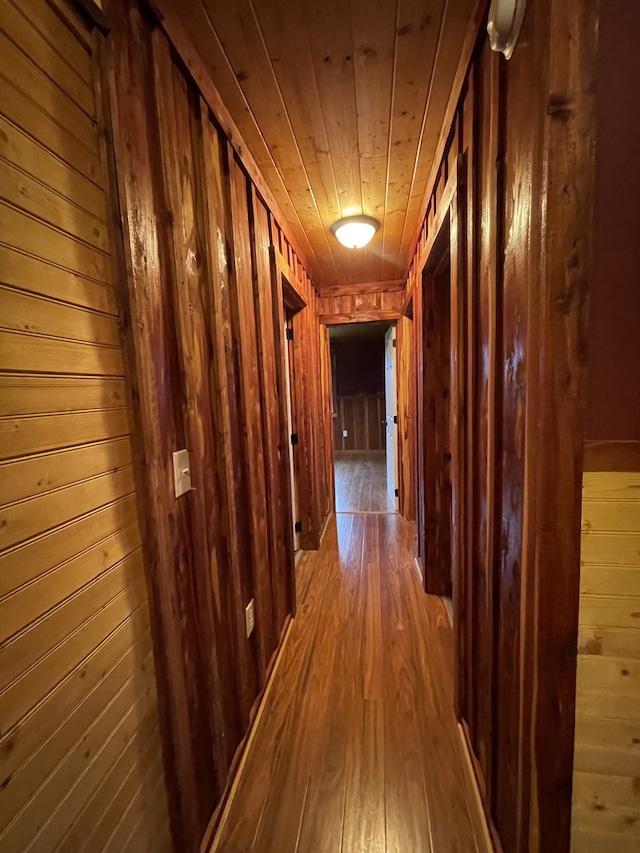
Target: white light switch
x=250, y=617
x=344, y=433
x=181, y=472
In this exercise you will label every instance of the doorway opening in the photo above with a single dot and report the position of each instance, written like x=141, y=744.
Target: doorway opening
x=289, y=378
x=364, y=410
x=436, y=533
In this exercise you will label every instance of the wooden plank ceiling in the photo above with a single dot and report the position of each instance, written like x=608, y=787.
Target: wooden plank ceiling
x=341, y=104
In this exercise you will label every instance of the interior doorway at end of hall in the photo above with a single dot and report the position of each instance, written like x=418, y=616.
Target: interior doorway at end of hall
x=364, y=409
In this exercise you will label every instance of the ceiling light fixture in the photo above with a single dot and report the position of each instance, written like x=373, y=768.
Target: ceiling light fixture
x=503, y=26
x=354, y=232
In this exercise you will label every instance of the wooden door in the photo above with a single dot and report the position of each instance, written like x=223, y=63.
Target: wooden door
x=391, y=418
x=436, y=313
x=289, y=380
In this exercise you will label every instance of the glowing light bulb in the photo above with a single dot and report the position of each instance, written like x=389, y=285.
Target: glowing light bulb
x=354, y=232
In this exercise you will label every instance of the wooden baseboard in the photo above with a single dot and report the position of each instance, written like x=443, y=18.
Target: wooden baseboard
x=418, y=568
x=448, y=606
x=212, y=836
x=476, y=805
x=325, y=526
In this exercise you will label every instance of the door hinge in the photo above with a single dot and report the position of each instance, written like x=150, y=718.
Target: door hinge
x=397, y=493
x=294, y=438
x=395, y=419
x=394, y=342
x=289, y=334
x=298, y=527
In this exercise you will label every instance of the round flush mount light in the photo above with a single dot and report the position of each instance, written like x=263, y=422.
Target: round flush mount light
x=354, y=232
x=503, y=26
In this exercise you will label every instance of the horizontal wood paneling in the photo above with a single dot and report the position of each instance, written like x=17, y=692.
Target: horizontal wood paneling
x=33, y=236
x=36, y=395
x=28, y=477
x=26, y=434
x=51, y=133
x=32, y=275
x=27, y=193
x=606, y=802
x=77, y=685
x=37, y=163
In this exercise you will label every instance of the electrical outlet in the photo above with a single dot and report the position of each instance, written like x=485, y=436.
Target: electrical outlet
x=250, y=617
x=345, y=433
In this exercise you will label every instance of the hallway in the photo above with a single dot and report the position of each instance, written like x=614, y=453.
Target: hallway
x=357, y=746
x=310, y=313
x=361, y=482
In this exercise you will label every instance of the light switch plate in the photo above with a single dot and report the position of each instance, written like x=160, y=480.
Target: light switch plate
x=250, y=617
x=181, y=472
x=344, y=433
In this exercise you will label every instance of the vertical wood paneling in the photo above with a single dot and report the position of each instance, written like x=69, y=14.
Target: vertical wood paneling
x=524, y=253
x=150, y=340
x=362, y=416
x=178, y=119
x=484, y=407
x=273, y=417
x=78, y=689
x=223, y=368
x=205, y=352
x=331, y=440
x=244, y=317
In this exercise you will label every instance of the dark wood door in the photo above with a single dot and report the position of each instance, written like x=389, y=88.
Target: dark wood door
x=436, y=418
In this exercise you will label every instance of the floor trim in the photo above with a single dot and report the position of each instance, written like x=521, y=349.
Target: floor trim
x=472, y=787
x=448, y=606
x=213, y=846
x=325, y=526
x=418, y=568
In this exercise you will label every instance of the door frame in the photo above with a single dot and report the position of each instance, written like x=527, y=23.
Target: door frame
x=325, y=355
x=286, y=296
x=393, y=329
x=449, y=216
x=431, y=433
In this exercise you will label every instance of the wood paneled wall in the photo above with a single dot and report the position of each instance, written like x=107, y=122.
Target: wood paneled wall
x=517, y=133
x=606, y=789
x=363, y=417
x=80, y=749
x=358, y=307
x=202, y=300
x=606, y=802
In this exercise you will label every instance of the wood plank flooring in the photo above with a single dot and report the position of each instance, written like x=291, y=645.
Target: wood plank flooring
x=361, y=482
x=357, y=748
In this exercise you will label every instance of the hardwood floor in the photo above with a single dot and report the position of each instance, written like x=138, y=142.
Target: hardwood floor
x=357, y=748
x=361, y=482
